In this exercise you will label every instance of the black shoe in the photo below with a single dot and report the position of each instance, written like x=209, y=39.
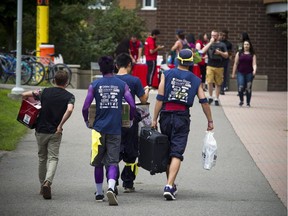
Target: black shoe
x=129, y=190
x=248, y=105
x=210, y=100
x=216, y=103
x=241, y=103
x=116, y=190
x=47, y=191
x=222, y=92
x=99, y=197
x=112, y=199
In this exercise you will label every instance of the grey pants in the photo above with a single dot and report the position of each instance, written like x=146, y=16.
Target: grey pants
x=48, y=154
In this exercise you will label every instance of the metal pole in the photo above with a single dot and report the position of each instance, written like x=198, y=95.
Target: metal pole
x=18, y=89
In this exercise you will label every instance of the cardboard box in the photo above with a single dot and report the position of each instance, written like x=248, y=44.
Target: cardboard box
x=29, y=112
x=125, y=115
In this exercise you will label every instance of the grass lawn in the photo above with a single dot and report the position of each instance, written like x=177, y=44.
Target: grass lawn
x=11, y=131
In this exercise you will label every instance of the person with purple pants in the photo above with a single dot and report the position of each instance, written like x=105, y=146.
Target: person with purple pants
x=108, y=93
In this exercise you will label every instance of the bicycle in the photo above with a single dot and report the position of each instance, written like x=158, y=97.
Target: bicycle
x=8, y=69
x=44, y=68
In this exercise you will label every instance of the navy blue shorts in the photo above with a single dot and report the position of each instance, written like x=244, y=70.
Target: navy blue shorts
x=176, y=125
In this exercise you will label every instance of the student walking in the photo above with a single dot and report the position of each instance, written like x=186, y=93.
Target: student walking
x=129, y=136
x=217, y=53
x=177, y=90
x=57, y=105
x=246, y=66
x=108, y=93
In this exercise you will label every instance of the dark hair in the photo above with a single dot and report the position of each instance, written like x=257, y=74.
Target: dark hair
x=61, y=78
x=245, y=36
x=155, y=32
x=200, y=36
x=225, y=31
x=251, y=50
x=123, y=60
x=106, y=64
x=123, y=47
x=190, y=38
x=208, y=35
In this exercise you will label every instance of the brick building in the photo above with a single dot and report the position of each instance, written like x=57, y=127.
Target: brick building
x=257, y=17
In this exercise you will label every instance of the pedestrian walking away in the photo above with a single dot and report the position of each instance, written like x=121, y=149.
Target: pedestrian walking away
x=57, y=105
x=246, y=66
x=177, y=90
x=129, y=136
x=108, y=93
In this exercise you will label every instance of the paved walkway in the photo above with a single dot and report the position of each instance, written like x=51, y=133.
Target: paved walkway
x=234, y=187
x=263, y=130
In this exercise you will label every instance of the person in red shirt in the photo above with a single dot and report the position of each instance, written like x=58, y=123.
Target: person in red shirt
x=135, y=48
x=151, y=52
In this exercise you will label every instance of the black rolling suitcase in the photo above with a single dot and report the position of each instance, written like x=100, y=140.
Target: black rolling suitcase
x=153, y=150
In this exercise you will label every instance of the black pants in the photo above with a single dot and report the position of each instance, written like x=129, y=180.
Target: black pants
x=129, y=153
x=151, y=70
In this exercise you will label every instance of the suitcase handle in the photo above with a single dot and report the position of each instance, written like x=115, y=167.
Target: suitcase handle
x=151, y=131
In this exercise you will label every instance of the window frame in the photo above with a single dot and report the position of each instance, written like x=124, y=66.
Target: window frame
x=152, y=7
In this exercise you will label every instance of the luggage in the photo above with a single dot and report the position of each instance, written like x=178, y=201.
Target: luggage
x=154, y=151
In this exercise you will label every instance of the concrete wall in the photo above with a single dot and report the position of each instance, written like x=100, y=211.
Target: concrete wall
x=81, y=79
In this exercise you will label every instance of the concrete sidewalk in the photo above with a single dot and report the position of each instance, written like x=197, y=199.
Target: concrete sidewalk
x=263, y=130
x=234, y=187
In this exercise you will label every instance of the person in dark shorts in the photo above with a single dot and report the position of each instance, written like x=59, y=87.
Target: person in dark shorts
x=129, y=136
x=176, y=93
x=57, y=105
x=108, y=93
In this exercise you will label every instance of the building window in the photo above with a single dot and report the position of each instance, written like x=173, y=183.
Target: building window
x=149, y=5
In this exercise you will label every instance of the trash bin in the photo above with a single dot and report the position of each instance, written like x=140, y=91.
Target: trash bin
x=45, y=51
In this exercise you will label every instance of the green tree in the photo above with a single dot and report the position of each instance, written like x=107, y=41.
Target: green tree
x=82, y=35
x=8, y=18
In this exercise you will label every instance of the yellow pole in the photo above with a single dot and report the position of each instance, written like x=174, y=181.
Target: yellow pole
x=42, y=26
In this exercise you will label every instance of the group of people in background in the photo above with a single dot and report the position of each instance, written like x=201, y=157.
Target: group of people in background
x=214, y=66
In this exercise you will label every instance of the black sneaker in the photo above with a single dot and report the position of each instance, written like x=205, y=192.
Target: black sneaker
x=248, y=105
x=47, y=191
x=216, y=103
x=241, y=103
x=129, y=190
x=210, y=100
x=222, y=92
x=99, y=197
x=116, y=190
x=112, y=199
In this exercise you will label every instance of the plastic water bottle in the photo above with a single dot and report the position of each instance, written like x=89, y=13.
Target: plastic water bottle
x=169, y=59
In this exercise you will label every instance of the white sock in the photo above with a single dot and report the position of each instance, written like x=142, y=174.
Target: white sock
x=111, y=183
x=99, y=189
x=170, y=186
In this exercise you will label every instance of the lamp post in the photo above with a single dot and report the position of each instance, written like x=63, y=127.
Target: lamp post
x=18, y=89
